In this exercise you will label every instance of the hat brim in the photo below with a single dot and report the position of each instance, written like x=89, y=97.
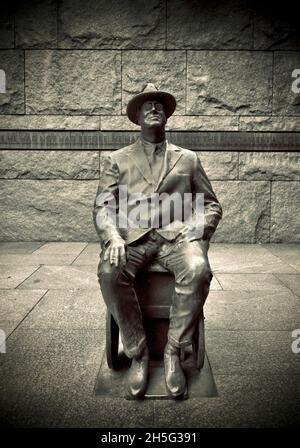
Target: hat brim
x=165, y=98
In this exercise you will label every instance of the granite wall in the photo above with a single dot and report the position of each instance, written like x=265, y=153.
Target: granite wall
x=71, y=67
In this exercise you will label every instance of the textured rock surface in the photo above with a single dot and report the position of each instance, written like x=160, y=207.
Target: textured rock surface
x=175, y=123
x=276, y=27
x=113, y=24
x=208, y=25
x=285, y=205
x=227, y=82
x=161, y=68
x=219, y=165
x=35, y=24
x=286, y=101
x=117, y=123
x=269, y=123
x=50, y=122
x=203, y=123
x=47, y=210
x=49, y=164
x=263, y=166
x=74, y=82
x=12, y=62
x=6, y=27
x=246, y=211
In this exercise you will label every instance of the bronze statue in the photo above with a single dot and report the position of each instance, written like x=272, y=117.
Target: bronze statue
x=135, y=174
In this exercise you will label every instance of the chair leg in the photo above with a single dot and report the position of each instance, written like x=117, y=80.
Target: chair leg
x=200, y=343
x=112, y=341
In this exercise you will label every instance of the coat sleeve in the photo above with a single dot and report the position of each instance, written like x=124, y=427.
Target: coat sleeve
x=212, y=207
x=106, y=202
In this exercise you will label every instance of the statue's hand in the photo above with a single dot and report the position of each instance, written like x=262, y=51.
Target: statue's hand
x=115, y=252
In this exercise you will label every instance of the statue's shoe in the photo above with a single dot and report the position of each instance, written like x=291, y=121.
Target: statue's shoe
x=174, y=375
x=138, y=375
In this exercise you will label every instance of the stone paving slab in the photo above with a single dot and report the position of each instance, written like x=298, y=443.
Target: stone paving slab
x=89, y=256
x=63, y=277
x=289, y=253
x=11, y=276
x=43, y=398
x=245, y=282
x=15, y=305
x=37, y=259
x=291, y=281
x=68, y=309
x=246, y=259
x=61, y=248
x=19, y=247
x=252, y=310
x=49, y=371
x=244, y=401
x=251, y=352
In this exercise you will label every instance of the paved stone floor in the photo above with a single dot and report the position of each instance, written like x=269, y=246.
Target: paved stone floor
x=53, y=315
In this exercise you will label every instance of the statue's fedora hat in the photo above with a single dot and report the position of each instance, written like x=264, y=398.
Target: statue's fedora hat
x=150, y=93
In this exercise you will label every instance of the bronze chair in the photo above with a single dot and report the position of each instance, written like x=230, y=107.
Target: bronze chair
x=154, y=290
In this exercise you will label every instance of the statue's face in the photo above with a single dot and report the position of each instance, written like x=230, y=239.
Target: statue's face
x=152, y=114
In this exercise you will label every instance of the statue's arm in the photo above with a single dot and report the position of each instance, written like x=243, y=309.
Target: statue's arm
x=212, y=207
x=106, y=202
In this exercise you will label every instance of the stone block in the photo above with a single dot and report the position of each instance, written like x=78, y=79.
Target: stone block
x=269, y=166
x=209, y=25
x=252, y=352
x=161, y=68
x=12, y=276
x=285, y=217
x=219, y=165
x=35, y=24
x=270, y=124
x=12, y=62
x=18, y=248
x=285, y=100
x=236, y=310
x=288, y=253
x=6, y=27
x=244, y=401
x=50, y=122
x=73, y=82
x=15, y=305
x=203, y=123
x=276, y=27
x=174, y=123
x=75, y=310
x=102, y=24
x=250, y=258
x=49, y=164
x=117, y=123
x=250, y=282
x=293, y=283
x=60, y=277
x=246, y=211
x=229, y=82
x=50, y=210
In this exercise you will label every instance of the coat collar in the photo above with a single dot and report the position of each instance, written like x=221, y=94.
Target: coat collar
x=138, y=157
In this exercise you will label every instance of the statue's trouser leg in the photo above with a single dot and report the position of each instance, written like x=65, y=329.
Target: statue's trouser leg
x=117, y=286
x=189, y=263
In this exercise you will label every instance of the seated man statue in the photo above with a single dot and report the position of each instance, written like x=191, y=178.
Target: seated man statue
x=154, y=177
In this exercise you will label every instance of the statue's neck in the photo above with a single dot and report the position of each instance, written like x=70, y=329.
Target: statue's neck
x=153, y=135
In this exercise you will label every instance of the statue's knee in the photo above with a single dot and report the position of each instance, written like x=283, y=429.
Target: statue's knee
x=107, y=271
x=200, y=271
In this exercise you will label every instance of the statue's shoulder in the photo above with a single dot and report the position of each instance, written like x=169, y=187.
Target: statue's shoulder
x=119, y=154
x=188, y=153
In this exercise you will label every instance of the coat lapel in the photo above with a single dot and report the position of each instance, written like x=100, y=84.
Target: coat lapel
x=139, y=158
x=172, y=156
